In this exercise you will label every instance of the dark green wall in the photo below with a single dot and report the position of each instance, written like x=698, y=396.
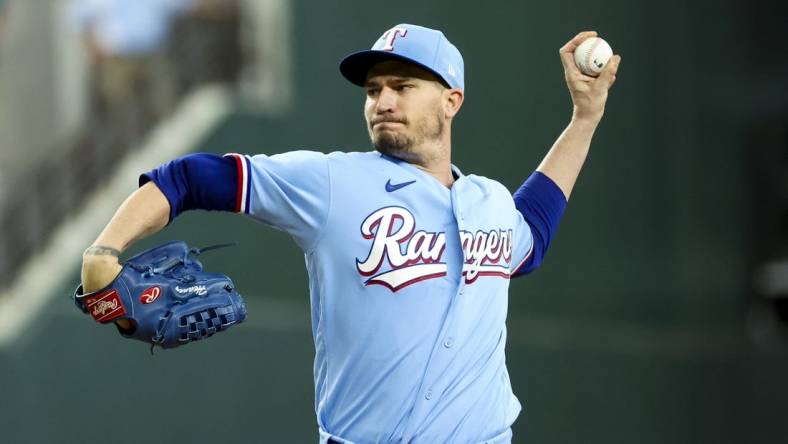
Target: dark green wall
x=634, y=329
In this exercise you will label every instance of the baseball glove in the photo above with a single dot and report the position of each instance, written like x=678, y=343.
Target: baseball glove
x=167, y=297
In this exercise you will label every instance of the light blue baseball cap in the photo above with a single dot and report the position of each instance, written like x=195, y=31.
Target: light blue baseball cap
x=424, y=47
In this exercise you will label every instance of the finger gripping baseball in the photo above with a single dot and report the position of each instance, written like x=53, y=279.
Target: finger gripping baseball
x=166, y=297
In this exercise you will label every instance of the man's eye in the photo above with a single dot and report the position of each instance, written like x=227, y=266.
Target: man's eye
x=372, y=92
x=403, y=87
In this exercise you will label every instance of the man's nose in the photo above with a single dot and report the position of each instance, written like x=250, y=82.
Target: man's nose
x=387, y=101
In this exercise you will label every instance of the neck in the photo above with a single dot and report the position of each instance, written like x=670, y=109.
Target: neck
x=440, y=171
x=437, y=161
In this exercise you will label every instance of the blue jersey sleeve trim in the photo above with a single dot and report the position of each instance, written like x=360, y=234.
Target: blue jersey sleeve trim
x=542, y=204
x=196, y=181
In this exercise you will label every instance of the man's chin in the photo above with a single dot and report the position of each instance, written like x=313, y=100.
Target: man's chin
x=389, y=143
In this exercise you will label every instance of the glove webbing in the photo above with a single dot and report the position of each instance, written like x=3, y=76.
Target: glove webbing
x=208, y=315
x=150, y=270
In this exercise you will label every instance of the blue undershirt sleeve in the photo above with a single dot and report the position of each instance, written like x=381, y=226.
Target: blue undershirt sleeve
x=196, y=181
x=542, y=203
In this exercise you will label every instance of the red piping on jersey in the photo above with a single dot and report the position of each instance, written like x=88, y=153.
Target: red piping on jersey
x=240, y=182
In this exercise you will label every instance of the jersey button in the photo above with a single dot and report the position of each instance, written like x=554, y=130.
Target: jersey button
x=448, y=342
x=428, y=395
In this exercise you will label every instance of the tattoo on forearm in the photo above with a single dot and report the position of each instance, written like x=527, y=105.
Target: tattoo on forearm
x=100, y=250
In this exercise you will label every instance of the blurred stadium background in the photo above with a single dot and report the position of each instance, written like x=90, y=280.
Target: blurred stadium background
x=659, y=316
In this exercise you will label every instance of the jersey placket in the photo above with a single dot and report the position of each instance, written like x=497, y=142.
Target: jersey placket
x=429, y=392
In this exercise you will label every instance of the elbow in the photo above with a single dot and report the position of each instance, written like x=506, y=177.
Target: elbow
x=533, y=261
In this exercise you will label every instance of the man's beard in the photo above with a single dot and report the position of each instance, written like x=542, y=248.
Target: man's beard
x=401, y=146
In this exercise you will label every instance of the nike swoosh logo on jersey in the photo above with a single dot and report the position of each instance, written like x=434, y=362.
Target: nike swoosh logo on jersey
x=394, y=187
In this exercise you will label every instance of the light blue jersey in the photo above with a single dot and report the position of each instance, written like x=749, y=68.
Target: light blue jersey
x=408, y=282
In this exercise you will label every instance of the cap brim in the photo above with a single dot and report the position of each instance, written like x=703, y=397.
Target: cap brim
x=356, y=66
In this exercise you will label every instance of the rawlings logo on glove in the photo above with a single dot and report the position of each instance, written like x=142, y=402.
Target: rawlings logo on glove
x=105, y=306
x=150, y=295
x=167, y=297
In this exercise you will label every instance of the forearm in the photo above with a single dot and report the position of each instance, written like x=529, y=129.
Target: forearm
x=565, y=159
x=146, y=211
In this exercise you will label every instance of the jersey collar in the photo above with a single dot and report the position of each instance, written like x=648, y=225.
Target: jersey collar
x=455, y=171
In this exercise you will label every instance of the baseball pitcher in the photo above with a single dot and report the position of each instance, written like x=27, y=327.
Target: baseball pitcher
x=409, y=258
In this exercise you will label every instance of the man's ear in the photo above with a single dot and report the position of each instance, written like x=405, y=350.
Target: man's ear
x=453, y=101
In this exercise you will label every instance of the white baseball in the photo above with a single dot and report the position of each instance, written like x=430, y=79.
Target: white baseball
x=592, y=55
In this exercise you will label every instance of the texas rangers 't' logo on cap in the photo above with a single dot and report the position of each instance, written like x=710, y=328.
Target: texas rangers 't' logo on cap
x=391, y=35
